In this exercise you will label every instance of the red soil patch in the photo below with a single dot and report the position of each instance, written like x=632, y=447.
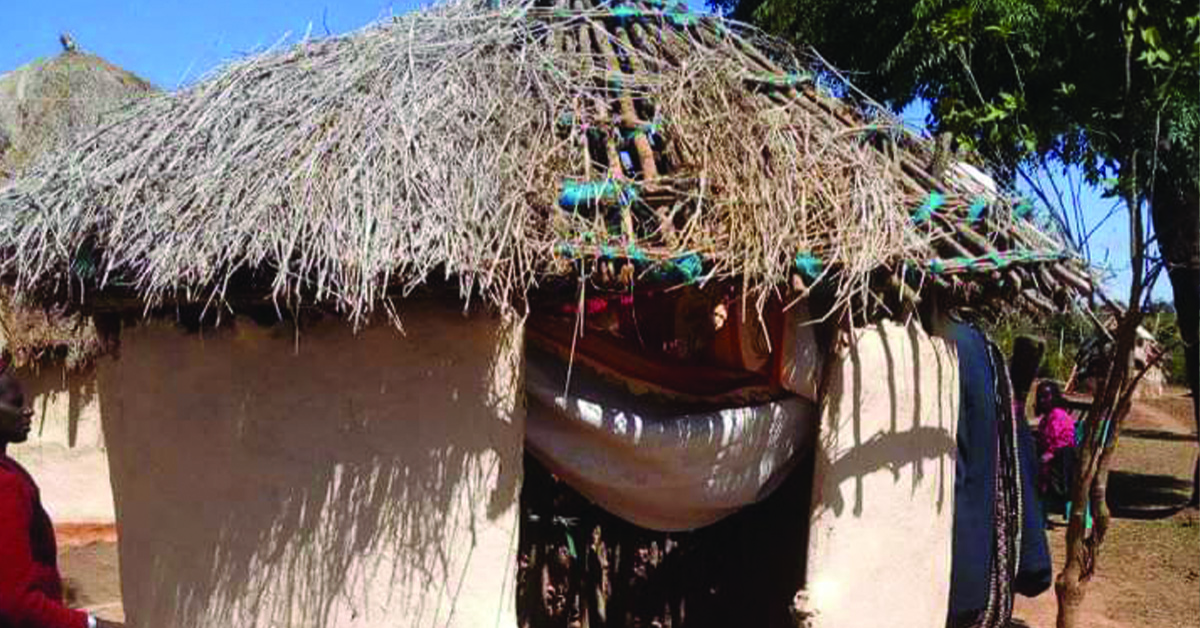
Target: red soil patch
x=80, y=534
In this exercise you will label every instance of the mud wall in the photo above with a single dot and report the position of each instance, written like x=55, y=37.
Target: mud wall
x=65, y=452
x=883, y=514
x=326, y=479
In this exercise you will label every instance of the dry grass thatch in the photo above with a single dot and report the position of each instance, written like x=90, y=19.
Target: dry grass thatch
x=43, y=105
x=497, y=144
x=48, y=102
x=32, y=335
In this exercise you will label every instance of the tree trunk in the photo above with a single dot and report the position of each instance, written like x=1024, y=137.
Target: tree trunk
x=1102, y=427
x=1069, y=588
x=1176, y=215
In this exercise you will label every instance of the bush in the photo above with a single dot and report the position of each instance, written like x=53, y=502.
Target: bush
x=1162, y=321
x=1063, y=333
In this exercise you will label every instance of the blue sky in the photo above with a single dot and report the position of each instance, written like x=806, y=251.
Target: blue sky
x=172, y=43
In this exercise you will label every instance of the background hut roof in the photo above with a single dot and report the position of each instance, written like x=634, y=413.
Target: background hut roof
x=48, y=102
x=44, y=104
x=504, y=144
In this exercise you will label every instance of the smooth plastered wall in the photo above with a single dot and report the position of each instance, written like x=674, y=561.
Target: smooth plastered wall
x=325, y=479
x=881, y=533
x=65, y=452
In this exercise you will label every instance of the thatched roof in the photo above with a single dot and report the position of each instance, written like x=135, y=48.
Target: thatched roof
x=48, y=102
x=43, y=105
x=501, y=145
x=36, y=335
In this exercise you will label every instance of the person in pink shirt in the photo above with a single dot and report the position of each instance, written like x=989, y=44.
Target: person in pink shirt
x=1056, y=442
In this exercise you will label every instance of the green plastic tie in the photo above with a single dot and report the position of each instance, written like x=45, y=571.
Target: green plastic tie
x=931, y=204
x=975, y=212
x=690, y=266
x=809, y=265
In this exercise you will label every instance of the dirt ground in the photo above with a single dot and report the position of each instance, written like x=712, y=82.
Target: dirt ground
x=87, y=558
x=1148, y=575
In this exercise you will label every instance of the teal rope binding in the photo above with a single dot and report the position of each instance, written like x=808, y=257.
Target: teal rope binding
x=808, y=265
x=931, y=204
x=1023, y=208
x=690, y=266
x=975, y=211
x=576, y=194
x=649, y=128
x=679, y=16
x=627, y=12
x=790, y=79
x=635, y=254
x=991, y=261
x=686, y=269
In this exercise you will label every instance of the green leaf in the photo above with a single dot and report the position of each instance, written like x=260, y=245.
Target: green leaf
x=1151, y=37
x=995, y=114
x=1003, y=32
x=571, y=546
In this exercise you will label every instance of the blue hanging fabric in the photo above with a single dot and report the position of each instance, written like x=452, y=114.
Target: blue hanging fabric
x=996, y=549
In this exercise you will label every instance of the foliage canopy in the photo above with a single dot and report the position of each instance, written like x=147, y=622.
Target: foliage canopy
x=1087, y=82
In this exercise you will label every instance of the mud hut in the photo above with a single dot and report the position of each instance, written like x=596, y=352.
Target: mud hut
x=345, y=285
x=1147, y=356
x=43, y=105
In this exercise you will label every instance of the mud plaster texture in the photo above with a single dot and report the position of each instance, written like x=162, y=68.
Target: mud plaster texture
x=325, y=479
x=880, y=541
x=65, y=452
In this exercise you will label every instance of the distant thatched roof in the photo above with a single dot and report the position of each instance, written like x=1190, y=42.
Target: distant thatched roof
x=43, y=105
x=48, y=102
x=502, y=144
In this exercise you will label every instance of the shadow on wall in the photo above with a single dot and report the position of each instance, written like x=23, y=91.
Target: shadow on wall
x=919, y=439
x=65, y=450
x=362, y=480
x=884, y=481
x=64, y=404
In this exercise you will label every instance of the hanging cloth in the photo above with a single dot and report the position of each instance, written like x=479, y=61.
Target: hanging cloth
x=994, y=532
x=656, y=462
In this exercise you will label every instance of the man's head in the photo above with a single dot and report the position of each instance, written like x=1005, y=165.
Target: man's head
x=1049, y=396
x=15, y=418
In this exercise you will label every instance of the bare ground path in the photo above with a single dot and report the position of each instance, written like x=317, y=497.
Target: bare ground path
x=1149, y=568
